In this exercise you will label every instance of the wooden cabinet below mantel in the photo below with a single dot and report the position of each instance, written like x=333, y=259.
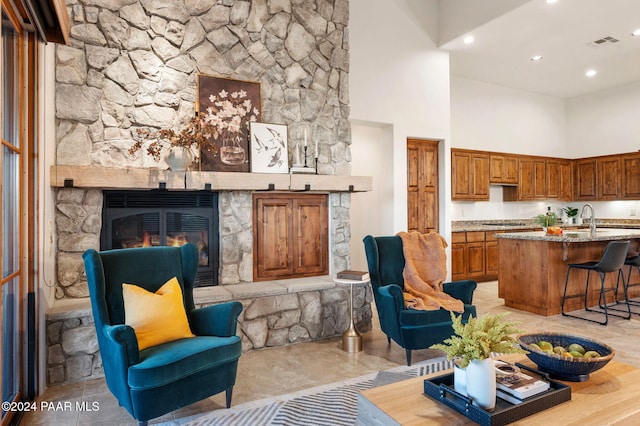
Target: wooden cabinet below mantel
x=291, y=236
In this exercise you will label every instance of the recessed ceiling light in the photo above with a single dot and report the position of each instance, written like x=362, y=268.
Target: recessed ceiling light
x=591, y=73
x=552, y=1
x=468, y=40
x=636, y=33
x=536, y=58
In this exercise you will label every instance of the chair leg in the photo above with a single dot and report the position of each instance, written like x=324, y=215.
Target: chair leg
x=632, y=302
x=408, y=351
x=608, y=307
x=388, y=340
x=229, y=394
x=564, y=297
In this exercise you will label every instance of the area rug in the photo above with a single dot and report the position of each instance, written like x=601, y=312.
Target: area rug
x=332, y=404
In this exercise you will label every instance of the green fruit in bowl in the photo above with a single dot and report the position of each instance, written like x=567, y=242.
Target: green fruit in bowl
x=559, y=350
x=576, y=354
x=574, y=347
x=591, y=354
x=544, y=345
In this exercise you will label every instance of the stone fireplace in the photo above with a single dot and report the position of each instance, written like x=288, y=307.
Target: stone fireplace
x=132, y=64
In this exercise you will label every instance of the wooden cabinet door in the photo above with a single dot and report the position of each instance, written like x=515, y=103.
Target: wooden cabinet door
x=491, y=254
x=475, y=259
x=631, y=176
x=460, y=175
x=480, y=176
x=469, y=175
x=274, y=238
x=608, y=178
x=503, y=169
x=310, y=235
x=539, y=179
x=525, y=179
x=458, y=256
x=585, y=179
x=291, y=236
x=422, y=185
x=553, y=178
x=565, y=176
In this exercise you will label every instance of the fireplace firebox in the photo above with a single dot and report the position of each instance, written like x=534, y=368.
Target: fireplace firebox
x=159, y=218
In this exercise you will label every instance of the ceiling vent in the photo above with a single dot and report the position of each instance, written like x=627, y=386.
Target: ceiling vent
x=604, y=40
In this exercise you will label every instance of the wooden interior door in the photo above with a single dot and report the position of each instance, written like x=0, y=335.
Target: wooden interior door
x=422, y=185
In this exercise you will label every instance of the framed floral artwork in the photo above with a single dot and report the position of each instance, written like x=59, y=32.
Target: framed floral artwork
x=229, y=106
x=269, y=148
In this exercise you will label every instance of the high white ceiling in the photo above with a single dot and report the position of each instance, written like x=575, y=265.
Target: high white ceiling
x=509, y=32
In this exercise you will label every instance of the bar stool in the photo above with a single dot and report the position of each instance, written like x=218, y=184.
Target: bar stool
x=632, y=262
x=612, y=260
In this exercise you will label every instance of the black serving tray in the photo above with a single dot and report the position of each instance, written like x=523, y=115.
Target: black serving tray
x=441, y=389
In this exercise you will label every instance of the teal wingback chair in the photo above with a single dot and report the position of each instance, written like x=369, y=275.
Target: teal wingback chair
x=409, y=328
x=159, y=379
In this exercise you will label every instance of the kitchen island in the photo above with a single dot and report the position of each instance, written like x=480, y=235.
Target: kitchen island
x=532, y=267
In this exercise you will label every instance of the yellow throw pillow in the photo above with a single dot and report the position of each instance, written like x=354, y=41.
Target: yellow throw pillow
x=156, y=317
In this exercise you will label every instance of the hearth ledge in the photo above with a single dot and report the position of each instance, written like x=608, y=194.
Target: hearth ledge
x=75, y=308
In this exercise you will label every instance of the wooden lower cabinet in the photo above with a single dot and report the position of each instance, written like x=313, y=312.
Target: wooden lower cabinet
x=291, y=236
x=474, y=255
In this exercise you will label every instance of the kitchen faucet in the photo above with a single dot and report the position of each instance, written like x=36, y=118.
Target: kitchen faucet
x=592, y=219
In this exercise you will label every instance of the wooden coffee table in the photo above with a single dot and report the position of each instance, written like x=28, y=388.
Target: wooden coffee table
x=610, y=396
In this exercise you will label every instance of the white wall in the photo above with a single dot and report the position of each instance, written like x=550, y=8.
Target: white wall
x=490, y=117
x=605, y=122
x=399, y=77
x=371, y=153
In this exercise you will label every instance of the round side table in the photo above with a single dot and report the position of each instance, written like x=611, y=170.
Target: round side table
x=351, y=338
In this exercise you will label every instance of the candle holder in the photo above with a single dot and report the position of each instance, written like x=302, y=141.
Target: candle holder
x=305, y=156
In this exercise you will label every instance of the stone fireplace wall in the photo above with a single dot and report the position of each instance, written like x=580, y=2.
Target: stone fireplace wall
x=133, y=63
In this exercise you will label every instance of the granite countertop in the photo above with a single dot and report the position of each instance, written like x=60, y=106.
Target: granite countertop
x=575, y=236
x=529, y=224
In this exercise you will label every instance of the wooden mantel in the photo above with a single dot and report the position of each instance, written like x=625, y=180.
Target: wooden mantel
x=139, y=178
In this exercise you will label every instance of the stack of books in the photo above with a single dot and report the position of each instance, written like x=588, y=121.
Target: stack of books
x=518, y=387
x=353, y=275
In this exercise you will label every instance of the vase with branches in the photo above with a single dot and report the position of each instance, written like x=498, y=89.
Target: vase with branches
x=472, y=346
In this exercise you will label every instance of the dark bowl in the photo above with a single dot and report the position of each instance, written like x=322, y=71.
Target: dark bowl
x=560, y=367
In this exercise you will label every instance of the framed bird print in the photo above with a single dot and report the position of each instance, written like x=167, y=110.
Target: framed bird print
x=268, y=148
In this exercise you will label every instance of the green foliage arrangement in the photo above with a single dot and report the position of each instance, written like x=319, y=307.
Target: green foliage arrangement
x=479, y=337
x=571, y=211
x=546, y=220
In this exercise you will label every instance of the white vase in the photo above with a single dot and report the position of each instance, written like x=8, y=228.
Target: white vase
x=459, y=379
x=481, y=383
x=179, y=158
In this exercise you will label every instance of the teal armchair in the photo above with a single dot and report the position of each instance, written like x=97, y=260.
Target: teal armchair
x=409, y=328
x=154, y=381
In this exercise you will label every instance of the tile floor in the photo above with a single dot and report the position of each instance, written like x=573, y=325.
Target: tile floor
x=274, y=371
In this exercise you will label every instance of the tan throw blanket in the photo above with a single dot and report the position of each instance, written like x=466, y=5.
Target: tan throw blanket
x=424, y=272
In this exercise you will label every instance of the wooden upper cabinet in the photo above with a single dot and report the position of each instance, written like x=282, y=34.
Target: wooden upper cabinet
x=585, y=179
x=539, y=179
x=525, y=179
x=559, y=179
x=566, y=180
x=469, y=175
x=631, y=176
x=608, y=178
x=291, y=235
x=503, y=169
